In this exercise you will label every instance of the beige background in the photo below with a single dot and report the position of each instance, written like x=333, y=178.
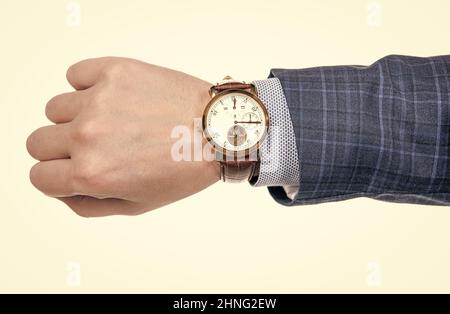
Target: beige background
x=200, y=244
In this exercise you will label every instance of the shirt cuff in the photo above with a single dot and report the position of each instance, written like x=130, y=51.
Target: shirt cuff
x=279, y=159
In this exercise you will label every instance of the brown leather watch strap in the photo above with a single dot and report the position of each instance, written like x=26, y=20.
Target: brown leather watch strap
x=237, y=171
x=232, y=85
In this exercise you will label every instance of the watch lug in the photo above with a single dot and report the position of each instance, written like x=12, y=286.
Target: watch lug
x=212, y=91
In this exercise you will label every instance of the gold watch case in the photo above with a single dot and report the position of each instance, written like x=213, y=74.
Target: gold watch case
x=223, y=151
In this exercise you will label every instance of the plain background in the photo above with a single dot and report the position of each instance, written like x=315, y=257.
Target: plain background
x=229, y=238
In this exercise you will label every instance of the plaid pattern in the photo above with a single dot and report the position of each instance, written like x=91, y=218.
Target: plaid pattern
x=380, y=131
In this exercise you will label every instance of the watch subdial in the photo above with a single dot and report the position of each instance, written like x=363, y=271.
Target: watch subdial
x=236, y=135
x=250, y=120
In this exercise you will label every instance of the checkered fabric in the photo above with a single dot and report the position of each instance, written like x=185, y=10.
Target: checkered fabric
x=379, y=131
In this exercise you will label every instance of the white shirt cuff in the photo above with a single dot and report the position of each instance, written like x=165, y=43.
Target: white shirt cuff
x=279, y=158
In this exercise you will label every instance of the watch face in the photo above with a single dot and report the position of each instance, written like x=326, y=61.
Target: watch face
x=235, y=121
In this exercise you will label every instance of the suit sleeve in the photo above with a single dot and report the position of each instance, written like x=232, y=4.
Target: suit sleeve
x=378, y=131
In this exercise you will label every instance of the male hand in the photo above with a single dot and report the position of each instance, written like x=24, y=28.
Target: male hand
x=109, y=151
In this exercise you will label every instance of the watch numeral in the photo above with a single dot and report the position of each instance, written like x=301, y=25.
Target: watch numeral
x=254, y=108
x=242, y=107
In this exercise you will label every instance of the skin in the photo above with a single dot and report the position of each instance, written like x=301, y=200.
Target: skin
x=109, y=149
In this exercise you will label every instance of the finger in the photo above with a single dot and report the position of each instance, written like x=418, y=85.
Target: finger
x=87, y=206
x=65, y=107
x=86, y=73
x=53, y=177
x=49, y=142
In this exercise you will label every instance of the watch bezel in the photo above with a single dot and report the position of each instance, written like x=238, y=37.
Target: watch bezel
x=216, y=146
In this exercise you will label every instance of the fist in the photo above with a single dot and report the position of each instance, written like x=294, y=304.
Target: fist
x=109, y=149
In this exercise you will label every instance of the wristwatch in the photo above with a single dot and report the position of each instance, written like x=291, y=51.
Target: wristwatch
x=235, y=122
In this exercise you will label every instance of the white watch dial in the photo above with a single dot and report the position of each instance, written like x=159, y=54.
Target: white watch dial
x=235, y=121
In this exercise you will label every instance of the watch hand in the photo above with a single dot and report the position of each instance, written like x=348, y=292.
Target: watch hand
x=236, y=122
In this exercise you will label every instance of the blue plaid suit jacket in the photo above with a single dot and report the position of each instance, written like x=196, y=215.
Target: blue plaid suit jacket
x=379, y=131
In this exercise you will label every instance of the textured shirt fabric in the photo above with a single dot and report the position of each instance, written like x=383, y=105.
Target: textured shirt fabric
x=279, y=161
x=379, y=131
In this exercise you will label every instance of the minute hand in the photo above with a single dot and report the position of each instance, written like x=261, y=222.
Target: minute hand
x=257, y=122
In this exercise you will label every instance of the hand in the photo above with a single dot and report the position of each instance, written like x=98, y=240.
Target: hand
x=110, y=149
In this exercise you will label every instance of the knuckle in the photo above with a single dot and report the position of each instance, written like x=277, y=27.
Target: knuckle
x=88, y=176
x=84, y=131
x=98, y=99
x=85, y=174
x=115, y=70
